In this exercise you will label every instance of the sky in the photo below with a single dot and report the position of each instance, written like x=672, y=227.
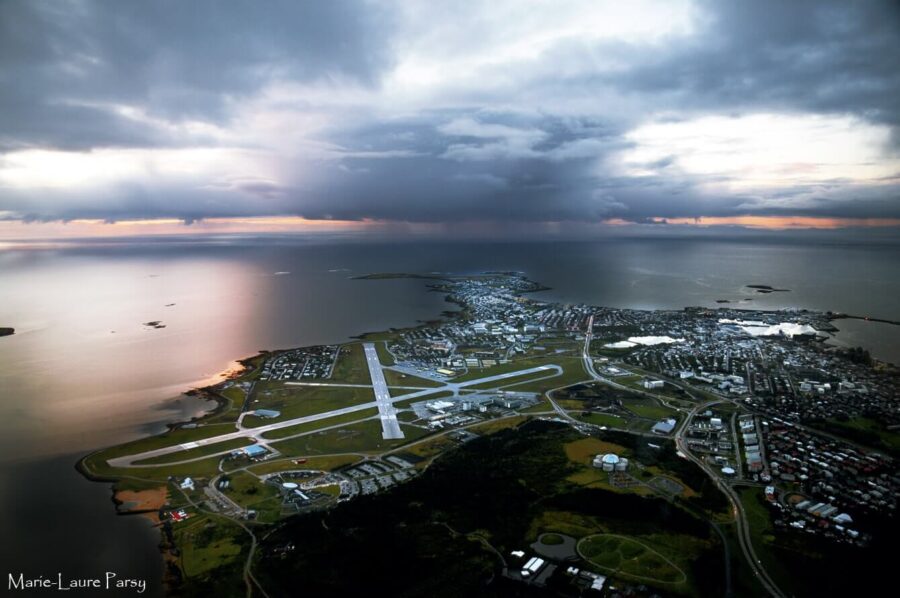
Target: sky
x=166, y=116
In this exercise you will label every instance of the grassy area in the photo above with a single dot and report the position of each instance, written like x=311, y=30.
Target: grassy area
x=384, y=356
x=761, y=530
x=252, y=493
x=546, y=378
x=630, y=558
x=351, y=367
x=863, y=430
x=322, y=423
x=200, y=451
x=573, y=373
x=541, y=406
x=407, y=416
x=570, y=404
x=206, y=545
x=491, y=426
x=363, y=437
x=399, y=379
x=301, y=401
x=171, y=438
x=582, y=451
x=326, y=463
x=432, y=447
x=648, y=408
x=551, y=539
x=520, y=363
x=234, y=395
x=604, y=419
x=526, y=467
x=202, y=468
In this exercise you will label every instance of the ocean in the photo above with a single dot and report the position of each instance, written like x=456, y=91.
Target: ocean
x=84, y=370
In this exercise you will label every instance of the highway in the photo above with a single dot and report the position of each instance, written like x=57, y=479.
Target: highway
x=390, y=427
x=742, y=525
x=589, y=366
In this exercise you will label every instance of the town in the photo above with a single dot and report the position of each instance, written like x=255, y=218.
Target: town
x=781, y=422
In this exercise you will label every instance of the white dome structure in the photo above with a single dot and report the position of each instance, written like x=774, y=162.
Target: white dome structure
x=607, y=462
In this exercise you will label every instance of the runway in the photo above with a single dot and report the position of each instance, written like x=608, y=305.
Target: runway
x=390, y=427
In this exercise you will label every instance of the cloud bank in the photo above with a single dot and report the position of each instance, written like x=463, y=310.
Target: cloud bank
x=422, y=112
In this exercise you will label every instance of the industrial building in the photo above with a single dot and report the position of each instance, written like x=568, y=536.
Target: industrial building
x=664, y=427
x=531, y=567
x=267, y=413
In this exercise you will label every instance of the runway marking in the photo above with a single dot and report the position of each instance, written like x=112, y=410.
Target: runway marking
x=390, y=427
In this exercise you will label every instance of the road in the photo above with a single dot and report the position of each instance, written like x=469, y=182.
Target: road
x=256, y=434
x=390, y=427
x=589, y=366
x=743, y=527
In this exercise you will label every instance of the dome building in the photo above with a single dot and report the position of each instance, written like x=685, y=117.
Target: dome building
x=610, y=462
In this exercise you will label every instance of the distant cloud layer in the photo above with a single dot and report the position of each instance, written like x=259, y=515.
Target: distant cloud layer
x=434, y=112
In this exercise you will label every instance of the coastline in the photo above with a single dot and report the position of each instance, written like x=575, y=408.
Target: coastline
x=150, y=501
x=171, y=573
x=121, y=497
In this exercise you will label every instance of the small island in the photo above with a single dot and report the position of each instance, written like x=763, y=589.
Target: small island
x=615, y=441
x=764, y=288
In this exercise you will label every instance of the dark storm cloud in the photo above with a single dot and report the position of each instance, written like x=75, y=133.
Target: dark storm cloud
x=811, y=55
x=64, y=64
x=537, y=139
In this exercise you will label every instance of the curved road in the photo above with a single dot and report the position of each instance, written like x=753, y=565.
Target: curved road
x=742, y=525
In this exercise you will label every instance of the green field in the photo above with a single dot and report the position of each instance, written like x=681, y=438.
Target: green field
x=648, y=408
x=322, y=423
x=323, y=463
x=96, y=465
x=522, y=363
x=179, y=436
x=399, y=379
x=252, y=493
x=351, y=367
x=200, y=451
x=864, y=430
x=551, y=539
x=629, y=558
x=363, y=437
x=573, y=373
x=384, y=356
x=540, y=407
x=300, y=401
x=604, y=419
x=547, y=378
x=761, y=530
x=207, y=544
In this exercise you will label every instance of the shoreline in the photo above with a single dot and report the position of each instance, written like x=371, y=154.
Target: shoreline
x=246, y=363
x=249, y=363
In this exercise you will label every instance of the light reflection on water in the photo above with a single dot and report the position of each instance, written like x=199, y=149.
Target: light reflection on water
x=83, y=371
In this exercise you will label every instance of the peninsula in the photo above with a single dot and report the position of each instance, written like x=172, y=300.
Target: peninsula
x=521, y=443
